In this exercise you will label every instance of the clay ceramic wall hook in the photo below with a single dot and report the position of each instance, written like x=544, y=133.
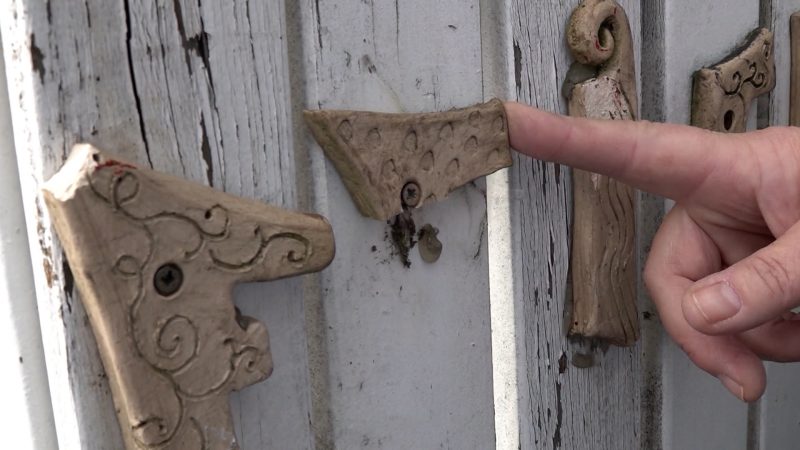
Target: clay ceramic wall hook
x=722, y=94
x=602, y=85
x=396, y=162
x=599, y=39
x=155, y=259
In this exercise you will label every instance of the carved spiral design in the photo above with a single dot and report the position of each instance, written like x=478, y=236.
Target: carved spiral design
x=599, y=35
x=295, y=248
x=153, y=432
x=169, y=337
x=176, y=343
x=756, y=77
x=593, y=31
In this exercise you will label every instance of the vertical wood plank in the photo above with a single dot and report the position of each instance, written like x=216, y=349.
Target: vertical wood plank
x=567, y=406
x=26, y=421
x=649, y=216
x=779, y=416
x=505, y=275
x=696, y=408
x=409, y=349
x=198, y=89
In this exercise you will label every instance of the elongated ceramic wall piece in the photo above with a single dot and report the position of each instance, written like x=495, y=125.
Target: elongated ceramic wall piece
x=602, y=85
x=155, y=259
x=722, y=94
x=794, y=86
x=390, y=162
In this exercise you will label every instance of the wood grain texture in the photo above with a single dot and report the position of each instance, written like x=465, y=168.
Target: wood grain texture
x=506, y=301
x=409, y=349
x=794, y=74
x=28, y=416
x=649, y=213
x=155, y=258
x=604, y=227
x=195, y=89
x=696, y=407
x=567, y=406
x=379, y=154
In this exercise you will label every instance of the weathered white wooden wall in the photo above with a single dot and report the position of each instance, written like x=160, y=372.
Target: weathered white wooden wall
x=370, y=354
x=26, y=421
x=191, y=88
x=562, y=405
x=409, y=356
x=398, y=357
x=778, y=413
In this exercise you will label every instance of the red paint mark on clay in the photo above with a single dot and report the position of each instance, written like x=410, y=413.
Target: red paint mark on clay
x=118, y=166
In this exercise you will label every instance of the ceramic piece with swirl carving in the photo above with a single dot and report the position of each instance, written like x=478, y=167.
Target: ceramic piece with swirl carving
x=380, y=155
x=155, y=259
x=722, y=94
x=601, y=84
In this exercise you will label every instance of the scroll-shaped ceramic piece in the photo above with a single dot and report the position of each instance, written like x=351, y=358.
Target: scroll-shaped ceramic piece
x=602, y=85
x=155, y=259
x=394, y=161
x=723, y=93
x=794, y=101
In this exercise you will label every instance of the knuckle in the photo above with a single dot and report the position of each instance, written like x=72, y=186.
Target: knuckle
x=773, y=274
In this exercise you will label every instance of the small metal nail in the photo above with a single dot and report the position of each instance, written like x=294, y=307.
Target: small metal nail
x=168, y=279
x=411, y=194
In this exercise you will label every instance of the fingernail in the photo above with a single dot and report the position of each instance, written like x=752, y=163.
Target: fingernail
x=717, y=302
x=735, y=388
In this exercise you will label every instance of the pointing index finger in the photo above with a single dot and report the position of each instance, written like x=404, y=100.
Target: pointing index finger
x=665, y=159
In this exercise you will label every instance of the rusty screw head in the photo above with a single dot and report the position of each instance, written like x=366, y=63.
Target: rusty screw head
x=168, y=279
x=411, y=194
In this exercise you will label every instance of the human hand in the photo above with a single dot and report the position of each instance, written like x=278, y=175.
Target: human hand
x=724, y=267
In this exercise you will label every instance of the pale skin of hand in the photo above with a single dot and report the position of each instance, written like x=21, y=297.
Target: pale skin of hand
x=724, y=267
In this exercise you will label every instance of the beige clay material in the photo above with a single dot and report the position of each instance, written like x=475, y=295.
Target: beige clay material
x=722, y=94
x=602, y=263
x=378, y=154
x=155, y=259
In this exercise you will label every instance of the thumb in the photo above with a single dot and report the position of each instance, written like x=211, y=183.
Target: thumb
x=754, y=291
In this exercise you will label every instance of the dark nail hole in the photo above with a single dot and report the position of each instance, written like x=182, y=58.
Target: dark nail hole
x=168, y=279
x=728, y=120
